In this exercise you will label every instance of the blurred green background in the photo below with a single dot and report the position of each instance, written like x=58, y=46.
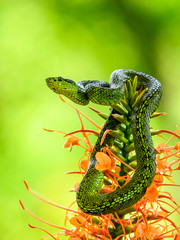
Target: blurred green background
x=80, y=40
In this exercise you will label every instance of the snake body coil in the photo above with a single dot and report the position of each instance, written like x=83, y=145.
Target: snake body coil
x=88, y=197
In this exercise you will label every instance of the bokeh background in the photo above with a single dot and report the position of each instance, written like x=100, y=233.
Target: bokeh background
x=80, y=40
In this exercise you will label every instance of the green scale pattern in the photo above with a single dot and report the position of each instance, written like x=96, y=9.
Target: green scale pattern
x=88, y=197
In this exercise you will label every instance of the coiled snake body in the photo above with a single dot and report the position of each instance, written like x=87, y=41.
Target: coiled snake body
x=88, y=197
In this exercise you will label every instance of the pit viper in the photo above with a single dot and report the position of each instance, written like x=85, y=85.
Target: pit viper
x=89, y=198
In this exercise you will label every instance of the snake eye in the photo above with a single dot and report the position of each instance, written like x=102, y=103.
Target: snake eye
x=59, y=79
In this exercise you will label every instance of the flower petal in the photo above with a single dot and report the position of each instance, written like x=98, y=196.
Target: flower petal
x=104, y=160
x=77, y=221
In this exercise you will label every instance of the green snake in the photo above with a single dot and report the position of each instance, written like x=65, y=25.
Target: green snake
x=89, y=198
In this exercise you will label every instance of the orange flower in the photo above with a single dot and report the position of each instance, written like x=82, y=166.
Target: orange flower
x=147, y=219
x=78, y=221
x=148, y=231
x=74, y=238
x=152, y=193
x=177, y=236
x=84, y=164
x=71, y=141
x=104, y=162
x=142, y=221
x=177, y=146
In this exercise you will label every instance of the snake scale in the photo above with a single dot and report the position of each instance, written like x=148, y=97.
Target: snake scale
x=89, y=198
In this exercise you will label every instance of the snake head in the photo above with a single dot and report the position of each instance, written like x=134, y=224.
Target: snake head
x=60, y=84
x=68, y=88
